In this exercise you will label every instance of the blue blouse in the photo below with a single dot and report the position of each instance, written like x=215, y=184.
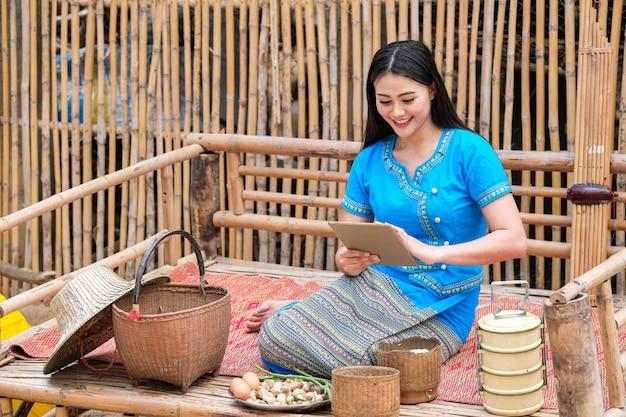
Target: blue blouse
x=439, y=204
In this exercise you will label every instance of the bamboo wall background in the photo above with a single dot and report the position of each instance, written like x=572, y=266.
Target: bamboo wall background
x=91, y=86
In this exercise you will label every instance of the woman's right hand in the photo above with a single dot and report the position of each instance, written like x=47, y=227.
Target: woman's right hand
x=352, y=262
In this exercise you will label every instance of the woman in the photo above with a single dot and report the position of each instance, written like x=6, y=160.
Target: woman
x=442, y=187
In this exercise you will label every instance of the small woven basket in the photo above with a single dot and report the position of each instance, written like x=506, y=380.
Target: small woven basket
x=360, y=391
x=420, y=372
x=180, y=333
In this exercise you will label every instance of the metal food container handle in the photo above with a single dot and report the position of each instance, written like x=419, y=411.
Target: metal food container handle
x=521, y=311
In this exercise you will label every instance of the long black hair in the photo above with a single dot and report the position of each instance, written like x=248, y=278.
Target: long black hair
x=411, y=59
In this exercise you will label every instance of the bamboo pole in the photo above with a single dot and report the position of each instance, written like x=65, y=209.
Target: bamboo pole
x=403, y=19
x=86, y=154
x=243, y=65
x=4, y=138
x=47, y=225
x=24, y=129
x=553, y=125
x=111, y=195
x=296, y=257
x=286, y=247
x=189, y=80
x=616, y=32
x=414, y=23
x=75, y=135
x=540, y=139
x=196, y=83
x=135, y=199
x=179, y=204
x=146, y=135
x=610, y=346
x=273, y=110
x=391, y=17
x=139, y=148
x=333, y=165
x=71, y=195
x=570, y=88
x=13, y=88
x=367, y=42
x=462, y=62
x=495, y=94
x=525, y=115
x=319, y=247
x=313, y=99
x=101, y=135
x=244, y=250
x=237, y=236
x=574, y=357
x=163, y=215
x=473, y=57
x=438, y=47
x=125, y=154
x=487, y=62
x=359, y=57
x=32, y=246
x=261, y=127
x=50, y=288
x=620, y=180
x=64, y=165
x=448, y=70
x=427, y=18
x=164, y=111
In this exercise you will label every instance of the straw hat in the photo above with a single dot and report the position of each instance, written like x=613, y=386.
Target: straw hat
x=83, y=310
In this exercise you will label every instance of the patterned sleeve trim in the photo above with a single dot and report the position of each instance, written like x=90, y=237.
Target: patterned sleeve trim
x=493, y=193
x=357, y=208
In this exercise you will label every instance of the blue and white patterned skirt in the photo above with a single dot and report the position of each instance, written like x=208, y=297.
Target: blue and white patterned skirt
x=340, y=324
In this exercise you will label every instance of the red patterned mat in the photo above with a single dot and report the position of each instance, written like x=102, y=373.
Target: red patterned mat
x=459, y=376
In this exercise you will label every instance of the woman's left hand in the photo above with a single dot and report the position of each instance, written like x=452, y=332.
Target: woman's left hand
x=425, y=253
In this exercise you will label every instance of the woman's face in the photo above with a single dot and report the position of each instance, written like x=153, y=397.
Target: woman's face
x=403, y=103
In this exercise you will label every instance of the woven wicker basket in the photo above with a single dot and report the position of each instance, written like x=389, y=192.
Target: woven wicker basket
x=181, y=331
x=420, y=372
x=360, y=391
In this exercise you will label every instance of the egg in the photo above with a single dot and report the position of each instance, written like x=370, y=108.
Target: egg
x=239, y=388
x=252, y=380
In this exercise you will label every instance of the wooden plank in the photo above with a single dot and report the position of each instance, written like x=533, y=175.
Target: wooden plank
x=78, y=386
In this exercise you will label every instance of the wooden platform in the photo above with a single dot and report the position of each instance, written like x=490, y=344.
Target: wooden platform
x=111, y=390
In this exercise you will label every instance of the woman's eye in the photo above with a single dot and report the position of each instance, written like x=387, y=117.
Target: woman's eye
x=384, y=102
x=408, y=100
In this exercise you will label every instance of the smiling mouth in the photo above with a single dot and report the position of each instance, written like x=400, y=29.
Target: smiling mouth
x=402, y=122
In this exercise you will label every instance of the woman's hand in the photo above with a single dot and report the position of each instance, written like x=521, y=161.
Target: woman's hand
x=424, y=253
x=352, y=262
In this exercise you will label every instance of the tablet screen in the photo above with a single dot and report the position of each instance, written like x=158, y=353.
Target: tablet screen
x=375, y=238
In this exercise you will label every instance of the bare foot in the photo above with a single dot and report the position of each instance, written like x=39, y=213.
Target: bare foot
x=265, y=310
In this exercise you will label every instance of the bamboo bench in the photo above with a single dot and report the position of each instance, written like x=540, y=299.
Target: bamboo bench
x=24, y=380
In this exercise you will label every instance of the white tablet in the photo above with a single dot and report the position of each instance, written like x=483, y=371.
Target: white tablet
x=376, y=238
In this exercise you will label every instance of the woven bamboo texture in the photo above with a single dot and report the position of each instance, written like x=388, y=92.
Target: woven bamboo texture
x=92, y=87
x=360, y=390
x=419, y=371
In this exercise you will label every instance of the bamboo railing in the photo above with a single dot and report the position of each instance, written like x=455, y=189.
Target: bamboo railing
x=91, y=87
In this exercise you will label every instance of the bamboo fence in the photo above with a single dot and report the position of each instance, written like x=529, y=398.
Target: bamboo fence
x=89, y=87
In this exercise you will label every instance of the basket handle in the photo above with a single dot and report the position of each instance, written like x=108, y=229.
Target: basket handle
x=134, y=313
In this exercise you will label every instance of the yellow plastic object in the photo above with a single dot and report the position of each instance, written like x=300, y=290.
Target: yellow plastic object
x=10, y=325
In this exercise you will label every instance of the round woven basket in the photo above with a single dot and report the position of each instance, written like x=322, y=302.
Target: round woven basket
x=419, y=361
x=173, y=333
x=360, y=391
